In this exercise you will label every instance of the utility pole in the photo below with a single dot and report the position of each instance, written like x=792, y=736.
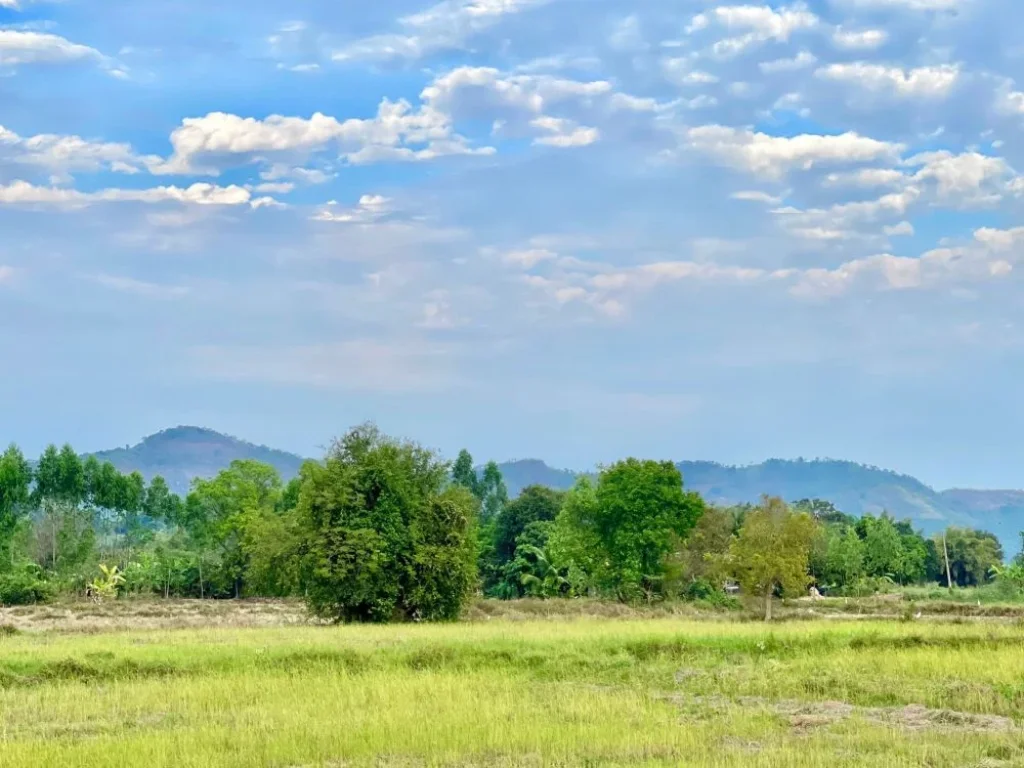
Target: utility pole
x=945, y=551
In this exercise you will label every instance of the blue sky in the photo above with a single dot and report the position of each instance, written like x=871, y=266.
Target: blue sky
x=570, y=229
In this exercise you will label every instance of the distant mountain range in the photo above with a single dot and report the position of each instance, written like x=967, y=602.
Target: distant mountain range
x=184, y=453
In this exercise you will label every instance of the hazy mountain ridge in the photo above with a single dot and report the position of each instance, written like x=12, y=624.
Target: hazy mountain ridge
x=183, y=453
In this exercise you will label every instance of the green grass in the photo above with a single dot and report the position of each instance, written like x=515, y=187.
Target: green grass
x=586, y=691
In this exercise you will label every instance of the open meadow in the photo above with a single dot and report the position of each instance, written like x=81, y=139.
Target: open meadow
x=254, y=684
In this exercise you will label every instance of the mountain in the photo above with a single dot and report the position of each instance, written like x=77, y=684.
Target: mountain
x=525, y=472
x=183, y=453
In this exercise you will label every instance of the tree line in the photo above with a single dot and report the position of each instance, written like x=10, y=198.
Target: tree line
x=383, y=529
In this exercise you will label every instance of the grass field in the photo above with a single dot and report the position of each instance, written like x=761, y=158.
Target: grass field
x=586, y=690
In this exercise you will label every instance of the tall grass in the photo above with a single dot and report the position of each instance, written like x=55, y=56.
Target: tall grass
x=663, y=691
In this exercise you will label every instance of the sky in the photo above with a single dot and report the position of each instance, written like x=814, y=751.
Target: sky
x=566, y=229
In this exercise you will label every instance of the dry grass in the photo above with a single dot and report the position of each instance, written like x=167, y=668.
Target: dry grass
x=547, y=690
x=85, y=616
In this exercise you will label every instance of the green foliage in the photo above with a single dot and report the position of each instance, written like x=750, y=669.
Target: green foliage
x=25, y=585
x=772, y=550
x=844, y=557
x=702, y=557
x=972, y=555
x=107, y=584
x=641, y=511
x=441, y=562
x=492, y=492
x=381, y=538
x=575, y=545
x=464, y=474
x=224, y=511
x=15, y=492
x=535, y=504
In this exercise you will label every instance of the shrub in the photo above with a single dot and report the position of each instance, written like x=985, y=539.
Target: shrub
x=25, y=586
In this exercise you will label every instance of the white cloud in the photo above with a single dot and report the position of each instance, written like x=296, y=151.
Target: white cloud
x=925, y=82
x=66, y=154
x=303, y=175
x=912, y=5
x=532, y=93
x=755, y=196
x=697, y=23
x=969, y=177
x=1009, y=101
x=564, y=133
x=627, y=36
x=528, y=258
x=23, y=193
x=937, y=267
x=369, y=209
x=773, y=156
x=24, y=47
x=680, y=70
x=859, y=39
x=275, y=187
x=762, y=23
x=445, y=26
x=903, y=228
x=396, y=133
x=867, y=177
x=800, y=61
x=999, y=239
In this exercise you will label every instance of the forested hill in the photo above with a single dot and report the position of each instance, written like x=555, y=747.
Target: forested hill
x=183, y=453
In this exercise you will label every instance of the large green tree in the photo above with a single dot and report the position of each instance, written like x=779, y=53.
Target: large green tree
x=772, y=550
x=641, y=511
x=15, y=491
x=972, y=555
x=381, y=537
x=464, y=473
x=222, y=511
x=536, y=503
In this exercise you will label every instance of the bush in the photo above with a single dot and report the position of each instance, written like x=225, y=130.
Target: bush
x=25, y=586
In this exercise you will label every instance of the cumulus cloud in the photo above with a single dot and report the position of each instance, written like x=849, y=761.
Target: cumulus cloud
x=564, y=133
x=800, y=61
x=759, y=24
x=911, y=5
x=397, y=132
x=370, y=208
x=923, y=82
x=859, y=39
x=528, y=258
x=969, y=177
x=903, y=228
x=27, y=47
x=755, y=196
x=25, y=194
x=773, y=156
x=445, y=26
x=67, y=154
x=867, y=177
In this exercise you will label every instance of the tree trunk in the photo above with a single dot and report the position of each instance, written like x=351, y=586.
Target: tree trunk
x=200, y=578
x=768, y=602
